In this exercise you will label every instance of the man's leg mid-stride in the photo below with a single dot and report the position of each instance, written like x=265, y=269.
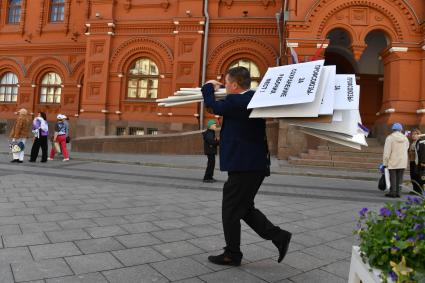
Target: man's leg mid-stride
x=238, y=203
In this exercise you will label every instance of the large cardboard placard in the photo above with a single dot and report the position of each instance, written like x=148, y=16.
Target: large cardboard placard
x=286, y=85
x=347, y=94
x=300, y=110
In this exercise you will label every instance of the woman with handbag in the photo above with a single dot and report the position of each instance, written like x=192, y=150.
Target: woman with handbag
x=61, y=130
x=19, y=134
x=40, y=129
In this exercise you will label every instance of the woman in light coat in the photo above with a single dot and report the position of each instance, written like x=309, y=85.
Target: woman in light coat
x=19, y=133
x=395, y=158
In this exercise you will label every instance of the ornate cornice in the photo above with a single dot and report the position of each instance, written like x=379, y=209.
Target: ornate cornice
x=23, y=16
x=265, y=29
x=67, y=15
x=142, y=44
x=265, y=3
x=62, y=64
x=18, y=63
x=41, y=17
x=164, y=4
x=400, y=5
x=241, y=45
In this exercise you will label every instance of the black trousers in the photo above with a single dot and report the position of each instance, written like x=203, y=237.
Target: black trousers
x=39, y=142
x=415, y=177
x=396, y=178
x=209, y=172
x=238, y=203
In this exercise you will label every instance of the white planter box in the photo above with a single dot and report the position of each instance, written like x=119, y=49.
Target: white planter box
x=360, y=272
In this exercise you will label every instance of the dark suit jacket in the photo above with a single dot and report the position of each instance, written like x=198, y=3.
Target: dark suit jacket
x=243, y=142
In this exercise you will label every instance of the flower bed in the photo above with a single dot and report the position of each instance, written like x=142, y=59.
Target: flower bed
x=393, y=240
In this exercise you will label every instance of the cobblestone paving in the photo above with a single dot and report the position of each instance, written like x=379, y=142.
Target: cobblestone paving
x=95, y=222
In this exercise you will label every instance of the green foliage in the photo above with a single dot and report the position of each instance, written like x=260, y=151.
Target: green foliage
x=393, y=240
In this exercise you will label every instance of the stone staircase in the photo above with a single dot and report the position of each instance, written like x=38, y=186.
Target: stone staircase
x=334, y=156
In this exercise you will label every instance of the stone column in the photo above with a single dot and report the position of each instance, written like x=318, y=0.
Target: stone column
x=94, y=110
x=402, y=88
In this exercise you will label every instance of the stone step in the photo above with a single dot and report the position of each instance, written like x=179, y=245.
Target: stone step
x=336, y=148
x=361, y=159
x=332, y=163
x=325, y=153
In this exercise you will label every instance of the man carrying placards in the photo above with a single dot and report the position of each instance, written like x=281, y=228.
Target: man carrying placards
x=244, y=155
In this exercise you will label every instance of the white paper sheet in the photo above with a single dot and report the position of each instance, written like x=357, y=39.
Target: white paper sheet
x=347, y=94
x=331, y=139
x=286, y=85
x=328, y=101
x=348, y=125
x=299, y=110
x=337, y=117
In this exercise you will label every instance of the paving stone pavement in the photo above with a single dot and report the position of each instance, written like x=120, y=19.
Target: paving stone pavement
x=98, y=222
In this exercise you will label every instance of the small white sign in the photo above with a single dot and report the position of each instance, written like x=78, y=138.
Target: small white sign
x=347, y=94
x=327, y=106
x=286, y=85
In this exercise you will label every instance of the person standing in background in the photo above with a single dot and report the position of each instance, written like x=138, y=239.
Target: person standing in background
x=210, y=150
x=19, y=133
x=40, y=129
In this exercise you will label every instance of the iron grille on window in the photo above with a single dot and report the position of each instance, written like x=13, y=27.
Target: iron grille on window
x=152, y=131
x=9, y=88
x=14, y=12
x=134, y=131
x=57, y=10
x=121, y=131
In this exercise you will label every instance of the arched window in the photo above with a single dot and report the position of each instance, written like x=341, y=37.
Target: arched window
x=57, y=10
x=14, y=12
x=9, y=87
x=253, y=70
x=143, y=78
x=51, y=88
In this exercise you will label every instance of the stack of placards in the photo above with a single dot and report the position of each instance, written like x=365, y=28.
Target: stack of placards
x=308, y=95
x=313, y=97
x=186, y=96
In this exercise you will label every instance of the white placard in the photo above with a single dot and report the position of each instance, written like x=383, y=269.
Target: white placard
x=348, y=125
x=347, y=95
x=323, y=135
x=299, y=110
x=337, y=117
x=328, y=101
x=286, y=85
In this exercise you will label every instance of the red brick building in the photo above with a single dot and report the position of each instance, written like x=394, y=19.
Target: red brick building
x=104, y=62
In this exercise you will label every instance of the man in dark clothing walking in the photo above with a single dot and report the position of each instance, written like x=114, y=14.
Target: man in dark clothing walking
x=210, y=150
x=244, y=154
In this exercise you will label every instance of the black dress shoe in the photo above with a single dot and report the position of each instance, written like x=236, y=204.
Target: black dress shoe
x=224, y=260
x=31, y=161
x=14, y=160
x=20, y=161
x=208, y=180
x=283, y=244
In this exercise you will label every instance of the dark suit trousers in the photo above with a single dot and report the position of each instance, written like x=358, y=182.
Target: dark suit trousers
x=209, y=172
x=39, y=142
x=238, y=203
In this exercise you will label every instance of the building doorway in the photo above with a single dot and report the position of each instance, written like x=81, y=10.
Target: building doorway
x=369, y=69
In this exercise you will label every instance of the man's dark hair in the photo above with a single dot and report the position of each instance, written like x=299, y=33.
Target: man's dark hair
x=241, y=76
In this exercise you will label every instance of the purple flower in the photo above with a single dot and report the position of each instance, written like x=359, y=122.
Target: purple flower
x=363, y=212
x=385, y=212
x=393, y=276
x=420, y=236
x=400, y=213
x=410, y=239
x=417, y=227
x=394, y=250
